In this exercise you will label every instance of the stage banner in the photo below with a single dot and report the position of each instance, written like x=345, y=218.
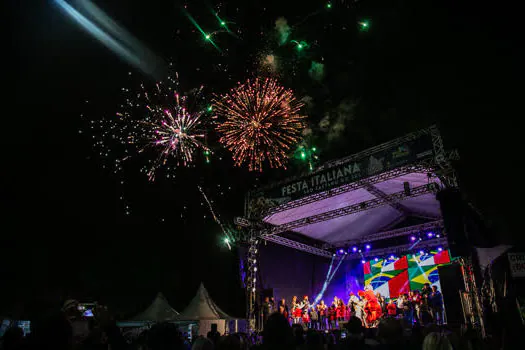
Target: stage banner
x=392, y=277
x=352, y=170
x=517, y=264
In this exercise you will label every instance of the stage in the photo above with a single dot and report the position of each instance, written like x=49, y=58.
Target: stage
x=368, y=219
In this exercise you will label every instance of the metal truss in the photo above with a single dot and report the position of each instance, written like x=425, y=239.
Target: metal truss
x=380, y=194
x=401, y=249
x=251, y=280
x=423, y=168
x=443, y=158
x=351, y=209
x=298, y=245
x=405, y=231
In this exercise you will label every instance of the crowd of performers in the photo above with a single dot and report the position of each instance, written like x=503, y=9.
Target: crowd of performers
x=422, y=307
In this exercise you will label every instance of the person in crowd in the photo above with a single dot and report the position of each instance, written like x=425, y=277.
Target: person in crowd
x=435, y=301
x=390, y=334
x=355, y=338
x=202, y=343
x=437, y=341
x=314, y=318
x=314, y=340
x=13, y=339
x=322, y=311
x=391, y=309
x=213, y=334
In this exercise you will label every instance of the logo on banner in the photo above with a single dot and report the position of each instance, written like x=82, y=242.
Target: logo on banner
x=401, y=151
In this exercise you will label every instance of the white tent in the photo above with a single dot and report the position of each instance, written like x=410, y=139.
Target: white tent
x=203, y=310
x=159, y=311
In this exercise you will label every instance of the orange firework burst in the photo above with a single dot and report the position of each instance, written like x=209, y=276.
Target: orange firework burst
x=260, y=122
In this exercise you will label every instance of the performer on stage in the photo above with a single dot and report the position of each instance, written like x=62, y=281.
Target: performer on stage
x=352, y=303
x=340, y=310
x=322, y=310
x=283, y=308
x=297, y=312
x=372, y=308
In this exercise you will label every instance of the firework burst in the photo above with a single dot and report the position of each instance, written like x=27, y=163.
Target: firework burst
x=158, y=124
x=260, y=123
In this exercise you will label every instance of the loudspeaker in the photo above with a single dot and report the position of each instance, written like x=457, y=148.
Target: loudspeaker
x=452, y=209
x=451, y=281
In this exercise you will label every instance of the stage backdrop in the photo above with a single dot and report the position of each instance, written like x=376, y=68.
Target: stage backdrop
x=291, y=272
x=392, y=277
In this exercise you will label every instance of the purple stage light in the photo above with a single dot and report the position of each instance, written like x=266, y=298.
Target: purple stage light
x=341, y=251
x=412, y=238
x=421, y=252
x=376, y=259
x=354, y=249
x=368, y=246
x=363, y=262
x=430, y=235
x=440, y=249
x=392, y=257
x=438, y=235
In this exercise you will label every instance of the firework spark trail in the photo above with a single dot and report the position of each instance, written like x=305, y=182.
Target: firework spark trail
x=159, y=126
x=215, y=216
x=261, y=123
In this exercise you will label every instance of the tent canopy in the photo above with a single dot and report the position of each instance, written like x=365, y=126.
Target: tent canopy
x=202, y=307
x=159, y=311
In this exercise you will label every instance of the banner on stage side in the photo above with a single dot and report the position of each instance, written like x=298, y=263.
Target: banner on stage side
x=517, y=264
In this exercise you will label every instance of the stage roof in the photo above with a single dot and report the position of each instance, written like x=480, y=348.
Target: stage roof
x=357, y=225
x=351, y=198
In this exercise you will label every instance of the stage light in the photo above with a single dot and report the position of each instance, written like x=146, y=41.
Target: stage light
x=255, y=269
x=438, y=235
x=363, y=262
x=346, y=253
x=392, y=257
x=440, y=249
x=359, y=250
x=421, y=252
x=354, y=249
x=430, y=235
x=376, y=259
x=333, y=255
x=412, y=238
x=226, y=240
x=341, y=251
x=368, y=246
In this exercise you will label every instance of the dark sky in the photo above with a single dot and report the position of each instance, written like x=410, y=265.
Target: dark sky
x=64, y=231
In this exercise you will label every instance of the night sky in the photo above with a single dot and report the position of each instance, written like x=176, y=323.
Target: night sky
x=64, y=229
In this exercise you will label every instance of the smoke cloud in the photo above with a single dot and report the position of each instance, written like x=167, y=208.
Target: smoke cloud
x=283, y=30
x=316, y=71
x=336, y=122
